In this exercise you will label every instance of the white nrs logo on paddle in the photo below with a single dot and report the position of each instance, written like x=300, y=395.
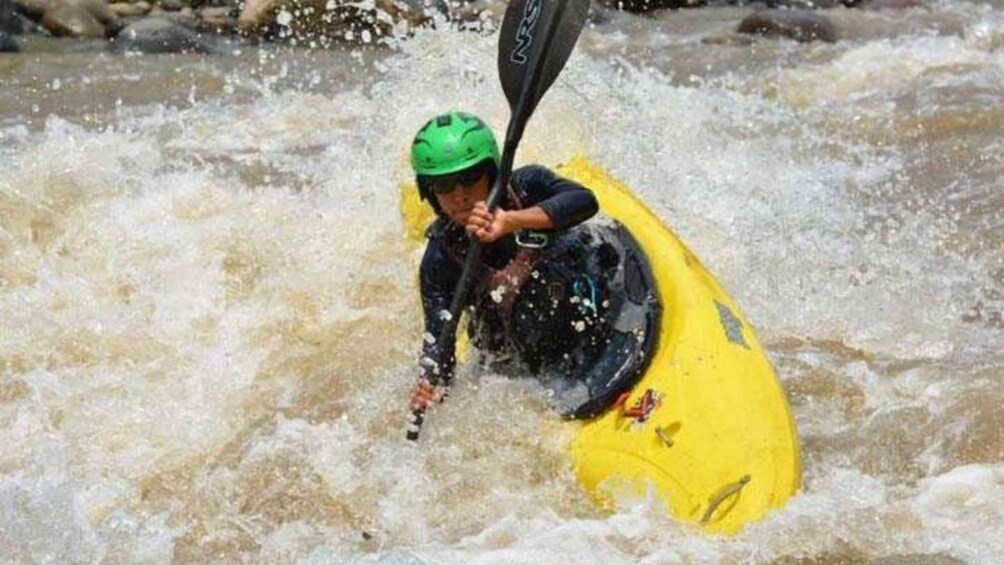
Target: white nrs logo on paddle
x=524, y=35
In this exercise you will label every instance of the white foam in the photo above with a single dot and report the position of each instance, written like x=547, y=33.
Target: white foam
x=214, y=305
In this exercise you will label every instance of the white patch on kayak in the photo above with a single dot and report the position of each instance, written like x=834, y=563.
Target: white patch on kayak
x=732, y=325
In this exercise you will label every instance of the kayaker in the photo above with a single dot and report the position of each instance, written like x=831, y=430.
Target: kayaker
x=532, y=300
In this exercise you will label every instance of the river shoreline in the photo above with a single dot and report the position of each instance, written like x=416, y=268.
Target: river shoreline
x=175, y=26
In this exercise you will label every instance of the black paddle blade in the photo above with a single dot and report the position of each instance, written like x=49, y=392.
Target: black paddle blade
x=536, y=39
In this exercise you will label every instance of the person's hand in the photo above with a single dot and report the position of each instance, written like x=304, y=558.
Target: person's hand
x=423, y=395
x=485, y=226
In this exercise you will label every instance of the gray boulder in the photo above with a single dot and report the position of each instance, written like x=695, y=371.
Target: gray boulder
x=799, y=25
x=10, y=23
x=130, y=9
x=72, y=20
x=161, y=35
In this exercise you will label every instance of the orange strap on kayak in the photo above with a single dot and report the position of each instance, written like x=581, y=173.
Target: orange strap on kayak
x=641, y=409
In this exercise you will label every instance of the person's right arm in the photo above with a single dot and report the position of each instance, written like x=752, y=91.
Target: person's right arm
x=438, y=277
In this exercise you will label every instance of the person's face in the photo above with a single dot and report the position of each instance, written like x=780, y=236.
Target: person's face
x=457, y=203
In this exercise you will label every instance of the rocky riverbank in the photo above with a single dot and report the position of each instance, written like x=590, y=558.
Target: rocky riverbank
x=211, y=26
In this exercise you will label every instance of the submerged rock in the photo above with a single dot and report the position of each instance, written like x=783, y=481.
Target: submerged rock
x=799, y=25
x=161, y=35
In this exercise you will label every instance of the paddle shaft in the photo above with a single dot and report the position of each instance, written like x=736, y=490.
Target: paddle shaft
x=520, y=114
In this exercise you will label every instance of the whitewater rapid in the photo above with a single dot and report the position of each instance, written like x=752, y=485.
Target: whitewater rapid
x=210, y=317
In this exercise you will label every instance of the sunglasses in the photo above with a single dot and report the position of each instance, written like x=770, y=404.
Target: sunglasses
x=447, y=183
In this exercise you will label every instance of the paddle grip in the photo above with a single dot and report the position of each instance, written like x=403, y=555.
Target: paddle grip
x=415, y=424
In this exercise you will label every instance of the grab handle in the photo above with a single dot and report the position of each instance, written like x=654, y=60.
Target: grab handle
x=722, y=496
x=664, y=436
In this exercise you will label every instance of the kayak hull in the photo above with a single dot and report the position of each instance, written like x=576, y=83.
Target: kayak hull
x=707, y=428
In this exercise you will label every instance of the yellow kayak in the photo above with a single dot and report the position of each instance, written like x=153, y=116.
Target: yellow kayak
x=707, y=427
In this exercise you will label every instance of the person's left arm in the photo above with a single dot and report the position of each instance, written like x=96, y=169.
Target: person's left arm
x=566, y=202
x=552, y=202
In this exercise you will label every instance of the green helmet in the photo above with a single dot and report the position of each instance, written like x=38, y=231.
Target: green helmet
x=452, y=142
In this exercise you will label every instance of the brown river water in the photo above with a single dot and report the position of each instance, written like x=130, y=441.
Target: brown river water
x=208, y=316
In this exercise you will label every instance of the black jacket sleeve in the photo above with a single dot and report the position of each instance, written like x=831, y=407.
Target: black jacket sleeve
x=566, y=202
x=438, y=277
